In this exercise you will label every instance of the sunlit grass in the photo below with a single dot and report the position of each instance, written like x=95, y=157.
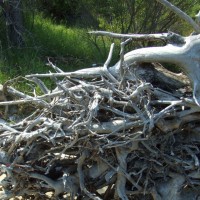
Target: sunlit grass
x=69, y=48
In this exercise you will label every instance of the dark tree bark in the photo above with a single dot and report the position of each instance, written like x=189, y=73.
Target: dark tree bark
x=14, y=22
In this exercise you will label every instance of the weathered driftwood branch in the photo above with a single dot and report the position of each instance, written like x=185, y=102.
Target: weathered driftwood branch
x=185, y=55
x=149, y=37
x=169, y=37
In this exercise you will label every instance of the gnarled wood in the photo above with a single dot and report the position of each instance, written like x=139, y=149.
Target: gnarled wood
x=130, y=131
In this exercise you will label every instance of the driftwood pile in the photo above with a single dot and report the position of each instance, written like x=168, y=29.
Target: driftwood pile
x=131, y=131
x=96, y=138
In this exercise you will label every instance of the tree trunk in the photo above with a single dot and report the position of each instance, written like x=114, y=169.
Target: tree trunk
x=14, y=22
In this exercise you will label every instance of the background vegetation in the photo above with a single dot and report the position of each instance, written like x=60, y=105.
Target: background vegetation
x=36, y=30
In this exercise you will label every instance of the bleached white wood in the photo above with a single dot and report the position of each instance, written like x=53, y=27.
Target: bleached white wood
x=186, y=55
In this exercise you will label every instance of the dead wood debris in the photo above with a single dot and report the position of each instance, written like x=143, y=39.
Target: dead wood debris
x=101, y=134
x=125, y=132
x=97, y=138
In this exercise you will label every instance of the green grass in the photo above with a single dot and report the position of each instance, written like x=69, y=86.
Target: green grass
x=71, y=47
x=68, y=47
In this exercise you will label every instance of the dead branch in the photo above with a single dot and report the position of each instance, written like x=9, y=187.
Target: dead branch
x=149, y=37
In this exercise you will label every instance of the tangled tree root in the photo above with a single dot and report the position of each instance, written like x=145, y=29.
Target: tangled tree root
x=131, y=131
x=93, y=138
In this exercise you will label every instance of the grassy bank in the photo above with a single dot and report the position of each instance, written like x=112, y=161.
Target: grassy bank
x=70, y=48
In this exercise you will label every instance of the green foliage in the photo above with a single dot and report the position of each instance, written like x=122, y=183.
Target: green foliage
x=61, y=10
x=68, y=48
x=71, y=44
x=139, y=16
x=136, y=16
